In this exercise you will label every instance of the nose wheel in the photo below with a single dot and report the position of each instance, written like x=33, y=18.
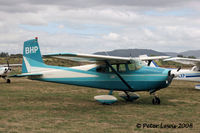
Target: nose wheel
x=156, y=100
x=8, y=81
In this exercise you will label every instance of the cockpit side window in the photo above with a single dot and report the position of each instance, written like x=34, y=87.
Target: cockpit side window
x=122, y=68
x=114, y=66
x=117, y=67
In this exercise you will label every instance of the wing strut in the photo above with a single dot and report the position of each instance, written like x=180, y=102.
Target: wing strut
x=131, y=89
x=149, y=62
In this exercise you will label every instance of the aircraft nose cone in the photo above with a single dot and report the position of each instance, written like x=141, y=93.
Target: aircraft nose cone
x=170, y=77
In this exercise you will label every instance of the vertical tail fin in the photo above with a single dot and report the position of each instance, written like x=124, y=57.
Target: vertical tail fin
x=150, y=62
x=31, y=56
x=153, y=64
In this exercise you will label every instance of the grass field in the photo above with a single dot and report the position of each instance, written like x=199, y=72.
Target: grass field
x=33, y=106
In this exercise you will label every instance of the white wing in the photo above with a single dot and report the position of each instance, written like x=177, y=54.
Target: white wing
x=100, y=58
x=147, y=58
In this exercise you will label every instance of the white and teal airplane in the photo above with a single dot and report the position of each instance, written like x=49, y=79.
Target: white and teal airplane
x=108, y=72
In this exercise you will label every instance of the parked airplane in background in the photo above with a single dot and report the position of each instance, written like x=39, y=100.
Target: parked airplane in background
x=5, y=69
x=151, y=62
x=108, y=72
x=187, y=74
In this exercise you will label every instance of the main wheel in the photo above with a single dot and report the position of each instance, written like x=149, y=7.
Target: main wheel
x=8, y=81
x=156, y=100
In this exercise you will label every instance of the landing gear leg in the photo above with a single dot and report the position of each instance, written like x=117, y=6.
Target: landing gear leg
x=110, y=93
x=155, y=100
x=128, y=97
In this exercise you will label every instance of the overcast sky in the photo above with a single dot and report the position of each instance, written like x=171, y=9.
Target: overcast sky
x=88, y=26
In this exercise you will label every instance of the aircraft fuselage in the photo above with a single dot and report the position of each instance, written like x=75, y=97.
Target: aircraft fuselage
x=143, y=79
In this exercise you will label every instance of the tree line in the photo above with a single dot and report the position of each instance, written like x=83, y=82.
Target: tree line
x=6, y=54
x=180, y=55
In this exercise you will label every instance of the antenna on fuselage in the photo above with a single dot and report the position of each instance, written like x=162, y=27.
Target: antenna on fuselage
x=106, y=53
x=130, y=55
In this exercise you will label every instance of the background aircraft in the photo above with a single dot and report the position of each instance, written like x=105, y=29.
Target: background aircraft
x=5, y=69
x=108, y=72
x=187, y=74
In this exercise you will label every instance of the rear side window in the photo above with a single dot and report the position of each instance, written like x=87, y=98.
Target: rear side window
x=102, y=69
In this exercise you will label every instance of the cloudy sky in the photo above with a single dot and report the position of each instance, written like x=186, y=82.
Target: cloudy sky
x=88, y=26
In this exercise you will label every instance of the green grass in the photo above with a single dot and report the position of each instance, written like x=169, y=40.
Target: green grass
x=33, y=106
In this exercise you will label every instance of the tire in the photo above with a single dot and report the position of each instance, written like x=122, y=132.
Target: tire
x=8, y=81
x=156, y=101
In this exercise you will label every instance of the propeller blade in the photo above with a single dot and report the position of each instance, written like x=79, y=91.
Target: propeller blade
x=179, y=69
x=8, y=64
x=8, y=67
x=170, y=77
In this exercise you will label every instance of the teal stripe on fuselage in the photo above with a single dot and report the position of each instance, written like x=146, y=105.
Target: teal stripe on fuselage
x=140, y=80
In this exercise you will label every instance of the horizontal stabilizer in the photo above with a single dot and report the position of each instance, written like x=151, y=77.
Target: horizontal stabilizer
x=27, y=74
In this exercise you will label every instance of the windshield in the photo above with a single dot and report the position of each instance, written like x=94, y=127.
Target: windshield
x=136, y=64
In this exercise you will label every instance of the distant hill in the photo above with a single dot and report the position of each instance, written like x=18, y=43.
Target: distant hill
x=131, y=52
x=149, y=52
x=195, y=53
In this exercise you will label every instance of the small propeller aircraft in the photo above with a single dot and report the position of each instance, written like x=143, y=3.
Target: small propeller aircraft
x=5, y=69
x=187, y=74
x=112, y=73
